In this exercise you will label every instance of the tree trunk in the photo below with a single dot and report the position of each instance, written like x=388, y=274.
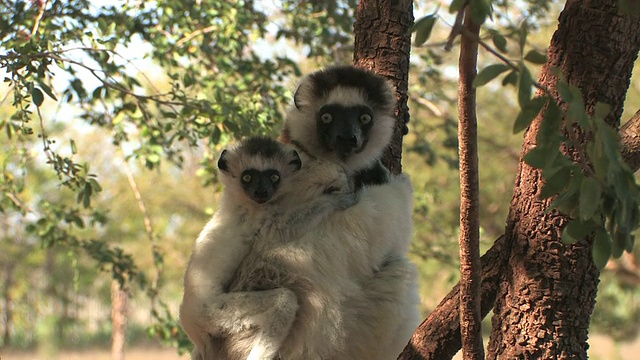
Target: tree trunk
x=382, y=44
x=119, y=305
x=7, y=316
x=548, y=289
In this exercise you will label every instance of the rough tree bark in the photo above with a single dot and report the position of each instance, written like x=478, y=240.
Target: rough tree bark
x=548, y=290
x=382, y=44
x=469, y=239
x=438, y=337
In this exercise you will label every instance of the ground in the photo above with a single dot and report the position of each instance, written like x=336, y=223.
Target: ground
x=601, y=348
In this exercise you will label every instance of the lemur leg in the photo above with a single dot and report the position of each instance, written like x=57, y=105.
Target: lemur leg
x=269, y=312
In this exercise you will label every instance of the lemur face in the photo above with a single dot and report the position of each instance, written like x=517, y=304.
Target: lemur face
x=344, y=129
x=342, y=113
x=260, y=185
x=256, y=168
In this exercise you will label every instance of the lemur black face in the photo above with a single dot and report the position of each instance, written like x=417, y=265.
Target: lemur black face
x=344, y=129
x=260, y=186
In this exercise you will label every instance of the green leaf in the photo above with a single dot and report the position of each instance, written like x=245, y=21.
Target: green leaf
x=576, y=230
x=556, y=182
x=489, y=73
x=95, y=185
x=480, y=10
x=423, y=28
x=602, y=110
x=589, y=200
x=564, y=91
x=214, y=137
x=511, y=78
x=537, y=157
x=499, y=41
x=567, y=201
x=524, y=85
x=47, y=90
x=601, y=247
x=457, y=5
x=549, y=132
x=72, y=143
x=86, y=201
x=37, y=96
x=535, y=57
x=529, y=111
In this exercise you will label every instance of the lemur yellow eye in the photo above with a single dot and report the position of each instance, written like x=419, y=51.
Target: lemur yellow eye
x=365, y=118
x=275, y=178
x=246, y=178
x=326, y=118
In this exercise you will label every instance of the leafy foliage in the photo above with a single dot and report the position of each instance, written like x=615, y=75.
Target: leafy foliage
x=219, y=78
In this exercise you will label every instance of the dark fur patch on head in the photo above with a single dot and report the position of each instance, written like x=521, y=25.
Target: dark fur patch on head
x=262, y=146
x=373, y=85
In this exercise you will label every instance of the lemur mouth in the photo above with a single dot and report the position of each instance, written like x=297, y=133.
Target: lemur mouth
x=346, y=150
x=260, y=200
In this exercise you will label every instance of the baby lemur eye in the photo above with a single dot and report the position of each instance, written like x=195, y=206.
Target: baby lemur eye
x=246, y=178
x=365, y=118
x=326, y=118
x=275, y=178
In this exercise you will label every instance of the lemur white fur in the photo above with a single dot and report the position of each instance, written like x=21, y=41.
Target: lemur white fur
x=381, y=313
x=258, y=320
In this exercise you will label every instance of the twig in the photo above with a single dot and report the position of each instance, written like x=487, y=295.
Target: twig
x=36, y=23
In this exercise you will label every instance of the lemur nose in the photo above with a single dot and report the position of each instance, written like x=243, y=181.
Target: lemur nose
x=348, y=139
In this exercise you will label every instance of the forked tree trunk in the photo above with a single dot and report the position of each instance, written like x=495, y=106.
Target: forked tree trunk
x=548, y=289
x=382, y=44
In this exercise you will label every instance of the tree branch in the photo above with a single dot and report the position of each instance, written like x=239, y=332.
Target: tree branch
x=470, y=267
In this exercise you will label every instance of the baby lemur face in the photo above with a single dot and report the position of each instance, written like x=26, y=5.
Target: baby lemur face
x=257, y=168
x=260, y=185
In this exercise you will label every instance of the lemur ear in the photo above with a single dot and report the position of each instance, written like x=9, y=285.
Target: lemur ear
x=295, y=160
x=222, y=162
x=297, y=98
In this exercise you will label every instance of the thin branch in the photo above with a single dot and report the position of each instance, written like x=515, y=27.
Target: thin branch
x=147, y=222
x=455, y=31
x=470, y=267
x=198, y=32
x=36, y=23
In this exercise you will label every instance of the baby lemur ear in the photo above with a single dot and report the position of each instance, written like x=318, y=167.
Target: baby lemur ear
x=295, y=162
x=222, y=162
x=297, y=101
